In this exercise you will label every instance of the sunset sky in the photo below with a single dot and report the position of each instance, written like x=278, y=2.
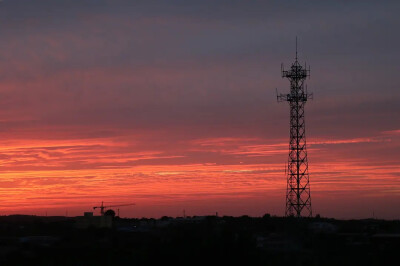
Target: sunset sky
x=172, y=105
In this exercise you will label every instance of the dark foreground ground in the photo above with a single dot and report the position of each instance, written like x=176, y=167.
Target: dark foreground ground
x=32, y=240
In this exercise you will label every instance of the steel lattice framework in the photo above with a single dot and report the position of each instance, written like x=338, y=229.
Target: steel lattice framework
x=298, y=197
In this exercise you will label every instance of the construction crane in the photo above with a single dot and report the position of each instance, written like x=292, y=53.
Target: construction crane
x=102, y=207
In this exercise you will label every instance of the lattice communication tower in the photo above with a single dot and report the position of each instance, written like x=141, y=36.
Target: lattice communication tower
x=298, y=197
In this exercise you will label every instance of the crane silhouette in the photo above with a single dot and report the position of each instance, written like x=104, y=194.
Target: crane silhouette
x=102, y=207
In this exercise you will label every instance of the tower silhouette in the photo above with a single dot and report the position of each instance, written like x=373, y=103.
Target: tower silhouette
x=298, y=197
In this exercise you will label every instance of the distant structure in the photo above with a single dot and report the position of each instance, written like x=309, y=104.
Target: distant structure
x=102, y=207
x=89, y=220
x=298, y=197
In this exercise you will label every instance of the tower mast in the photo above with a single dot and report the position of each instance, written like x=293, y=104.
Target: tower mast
x=298, y=197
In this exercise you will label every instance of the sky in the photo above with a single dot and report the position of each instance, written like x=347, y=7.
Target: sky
x=171, y=105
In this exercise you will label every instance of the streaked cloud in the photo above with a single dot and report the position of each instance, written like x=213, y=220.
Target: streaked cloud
x=172, y=105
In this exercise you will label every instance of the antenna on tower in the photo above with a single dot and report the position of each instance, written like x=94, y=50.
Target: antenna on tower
x=296, y=48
